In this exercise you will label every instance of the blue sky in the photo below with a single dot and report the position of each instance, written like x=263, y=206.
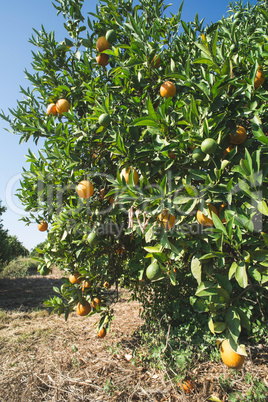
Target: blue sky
x=17, y=21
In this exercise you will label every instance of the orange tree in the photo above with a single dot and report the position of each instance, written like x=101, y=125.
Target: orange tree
x=152, y=176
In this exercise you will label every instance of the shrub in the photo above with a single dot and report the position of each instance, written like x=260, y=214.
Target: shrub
x=20, y=268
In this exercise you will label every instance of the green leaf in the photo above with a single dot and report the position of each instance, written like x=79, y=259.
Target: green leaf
x=191, y=190
x=196, y=268
x=232, y=270
x=263, y=208
x=219, y=327
x=120, y=143
x=206, y=289
x=204, y=50
x=154, y=249
x=241, y=275
x=211, y=325
x=215, y=42
x=232, y=319
x=218, y=224
x=151, y=110
x=244, y=319
x=149, y=234
x=260, y=255
x=265, y=238
x=203, y=60
x=145, y=121
x=224, y=283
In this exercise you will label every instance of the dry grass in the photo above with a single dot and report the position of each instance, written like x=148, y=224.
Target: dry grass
x=44, y=358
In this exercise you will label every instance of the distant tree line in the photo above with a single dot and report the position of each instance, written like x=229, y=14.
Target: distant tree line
x=10, y=246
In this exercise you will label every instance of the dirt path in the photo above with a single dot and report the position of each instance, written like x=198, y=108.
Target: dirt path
x=44, y=358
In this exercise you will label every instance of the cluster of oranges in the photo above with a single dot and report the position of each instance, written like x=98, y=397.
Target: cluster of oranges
x=104, y=43
x=206, y=220
x=84, y=308
x=60, y=107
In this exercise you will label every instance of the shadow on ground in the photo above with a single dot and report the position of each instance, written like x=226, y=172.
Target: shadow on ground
x=26, y=293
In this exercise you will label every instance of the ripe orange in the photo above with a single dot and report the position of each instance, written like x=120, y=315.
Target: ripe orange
x=205, y=220
x=126, y=172
x=120, y=250
x=102, y=59
x=75, y=278
x=85, y=189
x=259, y=79
x=102, y=44
x=96, y=302
x=187, y=386
x=223, y=205
x=172, y=155
x=42, y=226
x=102, y=333
x=83, y=309
x=230, y=357
x=228, y=150
x=167, y=89
x=156, y=61
x=166, y=219
x=62, y=106
x=51, y=109
x=86, y=285
x=102, y=193
x=239, y=137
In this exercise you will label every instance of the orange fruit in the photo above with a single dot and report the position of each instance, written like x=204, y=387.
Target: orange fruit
x=86, y=285
x=229, y=356
x=167, y=89
x=172, y=155
x=85, y=189
x=166, y=219
x=239, y=137
x=51, y=109
x=102, y=333
x=102, y=44
x=102, y=59
x=126, y=172
x=75, y=278
x=205, y=220
x=42, y=226
x=83, y=308
x=228, y=150
x=187, y=386
x=62, y=106
x=96, y=302
x=259, y=79
x=223, y=205
x=156, y=61
x=102, y=193
x=120, y=250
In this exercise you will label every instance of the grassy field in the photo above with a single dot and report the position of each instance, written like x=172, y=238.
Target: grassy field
x=44, y=358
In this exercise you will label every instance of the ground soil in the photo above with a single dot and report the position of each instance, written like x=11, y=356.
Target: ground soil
x=44, y=358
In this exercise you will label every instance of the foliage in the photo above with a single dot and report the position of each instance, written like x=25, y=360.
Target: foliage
x=217, y=272
x=38, y=250
x=256, y=393
x=19, y=268
x=10, y=246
